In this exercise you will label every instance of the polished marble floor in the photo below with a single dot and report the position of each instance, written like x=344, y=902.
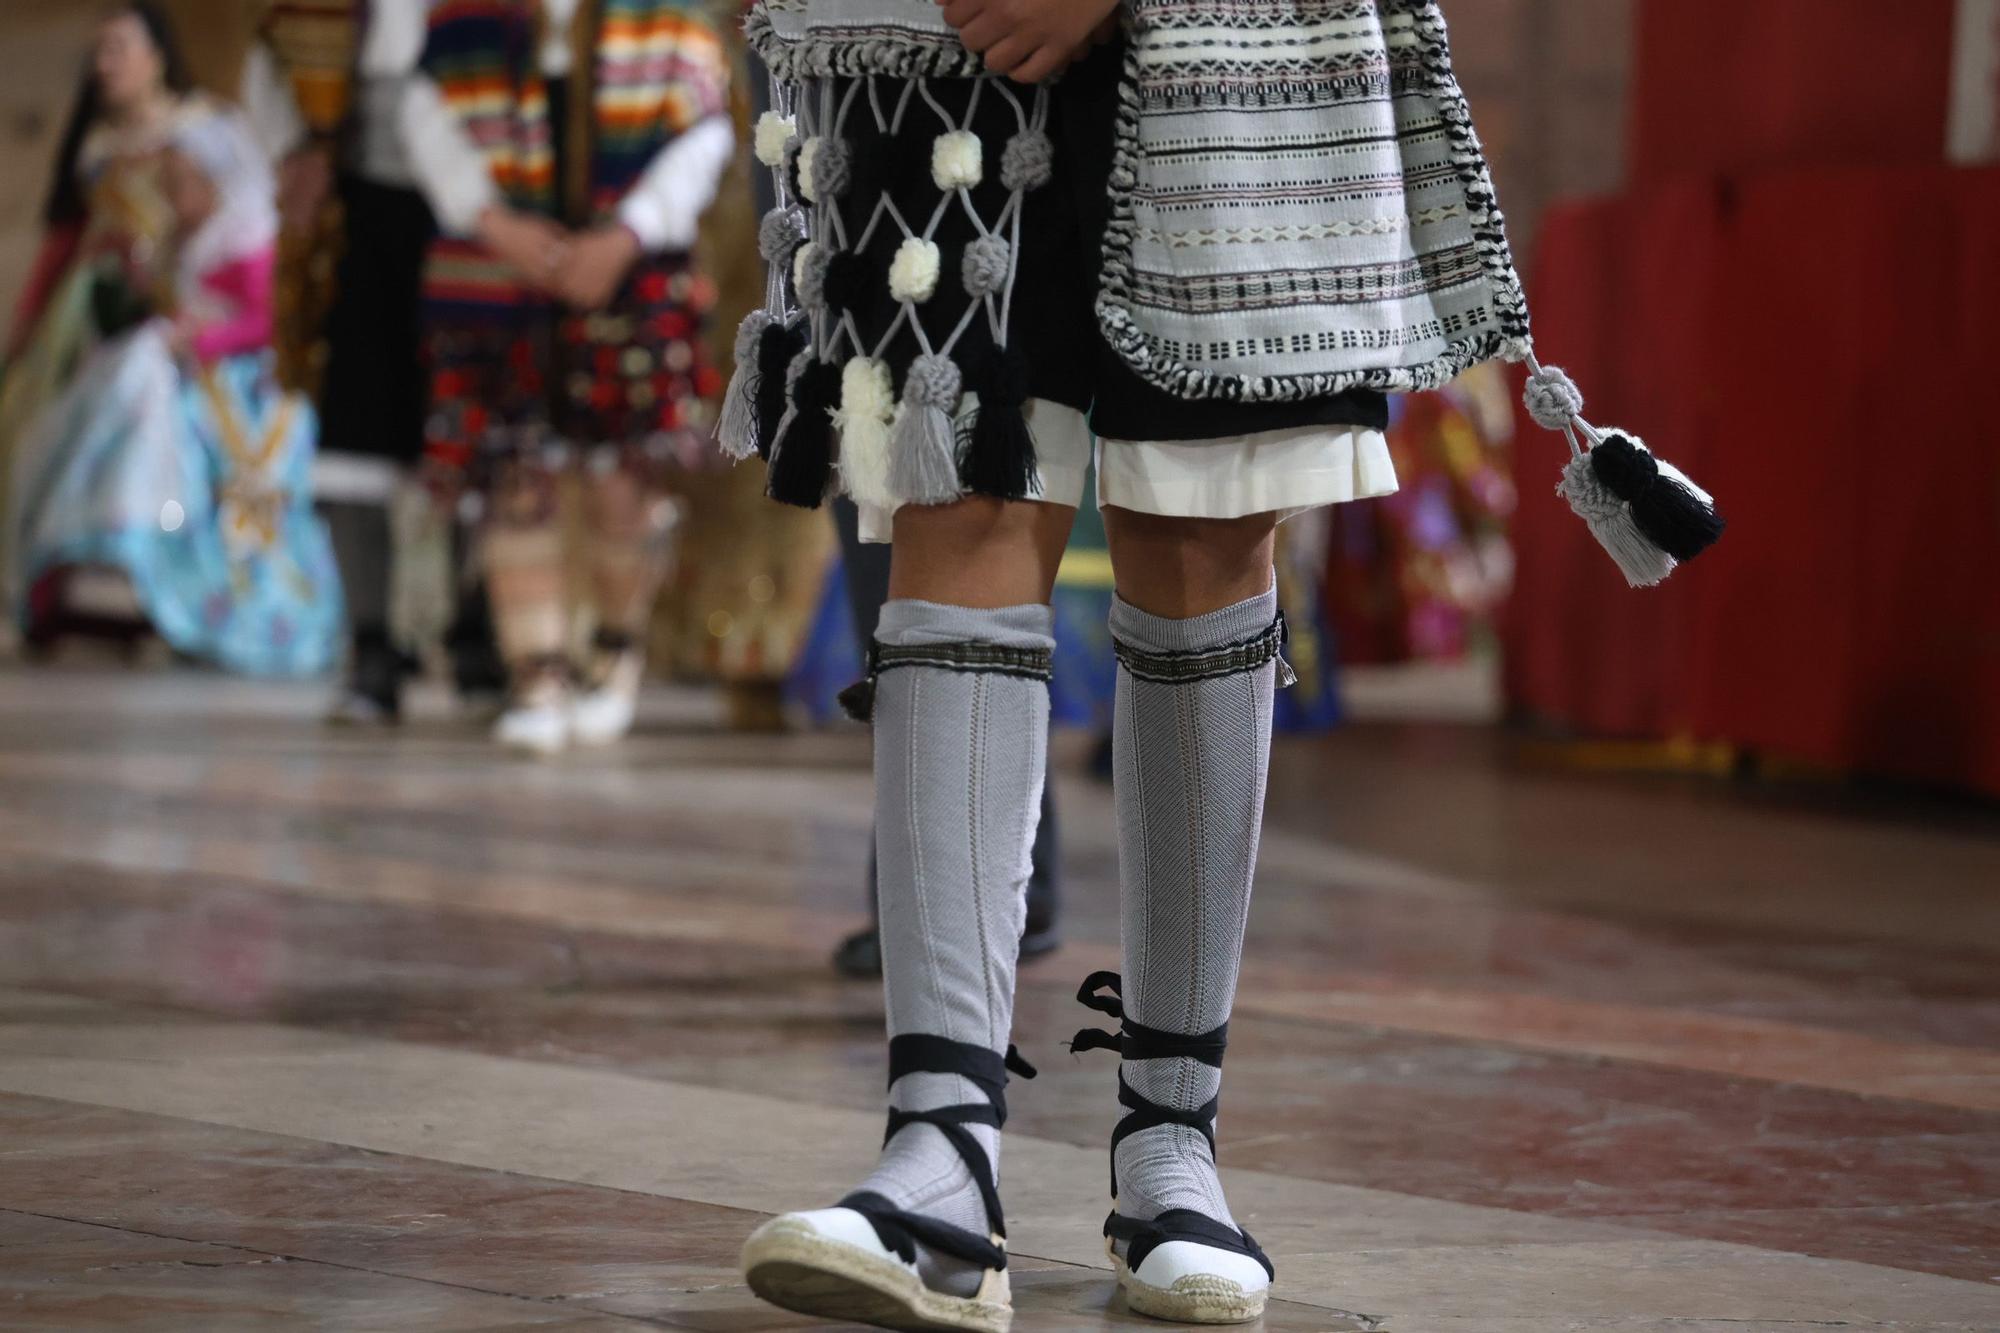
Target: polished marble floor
x=307, y=1029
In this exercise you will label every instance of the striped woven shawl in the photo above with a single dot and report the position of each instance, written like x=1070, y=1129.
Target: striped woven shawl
x=659, y=69
x=1299, y=204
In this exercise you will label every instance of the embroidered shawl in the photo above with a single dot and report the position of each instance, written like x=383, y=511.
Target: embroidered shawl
x=1299, y=203
x=659, y=68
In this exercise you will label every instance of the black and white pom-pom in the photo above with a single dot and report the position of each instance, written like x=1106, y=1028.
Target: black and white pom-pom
x=736, y=427
x=999, y=455
x=923, y=453
x=802, y=446
x=1644, y=511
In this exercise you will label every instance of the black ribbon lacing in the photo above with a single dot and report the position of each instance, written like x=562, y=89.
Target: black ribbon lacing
x=1136, y=1041
x=901, y=1231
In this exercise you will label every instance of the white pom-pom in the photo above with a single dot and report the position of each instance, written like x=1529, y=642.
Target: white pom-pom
x=773, y=133
x=867, y=407
x=807, y=152
x=957, y=160
x=801, y=261
x=913, y=273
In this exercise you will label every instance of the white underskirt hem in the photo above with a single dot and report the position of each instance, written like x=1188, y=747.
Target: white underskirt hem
x=1284, y=471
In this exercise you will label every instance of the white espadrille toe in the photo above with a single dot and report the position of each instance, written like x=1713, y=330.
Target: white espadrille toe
x=829, y=1262
x=1191, y=1283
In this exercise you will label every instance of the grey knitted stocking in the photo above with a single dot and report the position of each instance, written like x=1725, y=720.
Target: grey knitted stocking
x=960, y=741
x=1191, y=747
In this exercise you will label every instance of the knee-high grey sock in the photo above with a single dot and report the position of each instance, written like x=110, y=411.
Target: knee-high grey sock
x=1191, y=745
x=960, y=749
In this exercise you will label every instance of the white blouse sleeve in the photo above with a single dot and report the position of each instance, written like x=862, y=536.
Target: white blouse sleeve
x=266, y=97
x=664, y=208
x=450, y=169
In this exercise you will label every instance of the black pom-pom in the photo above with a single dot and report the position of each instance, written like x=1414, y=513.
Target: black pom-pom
x=999, y=454
x=776, y=346
x=802, y=459
x=1672, y=517
x=846, y=281
x=858, y=700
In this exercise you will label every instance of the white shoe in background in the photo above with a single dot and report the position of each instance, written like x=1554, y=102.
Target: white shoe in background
x=604, y=713
x=540, y=718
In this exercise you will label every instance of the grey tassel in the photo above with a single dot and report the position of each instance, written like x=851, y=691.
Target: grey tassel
x=736, y=429
x=1610, y=520
x=1644, y=512
x=923, y=453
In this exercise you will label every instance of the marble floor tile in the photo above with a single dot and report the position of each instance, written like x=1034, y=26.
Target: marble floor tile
x=418, y=1031
x=56, y=1274
x=579, y=1125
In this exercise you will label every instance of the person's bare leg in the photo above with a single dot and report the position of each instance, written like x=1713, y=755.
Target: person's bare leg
x=979, y=553
x=1196, y=628
x=522, y=552
x=629, y=526
x=960, y=712
x=630, y=535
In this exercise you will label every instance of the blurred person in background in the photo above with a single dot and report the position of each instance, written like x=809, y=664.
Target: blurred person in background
x=567, y=149
x=324, y=86
x=106, y=218
x=166, y=474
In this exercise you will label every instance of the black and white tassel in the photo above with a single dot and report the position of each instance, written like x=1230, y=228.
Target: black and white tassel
x=1000, y=452
x=736, y=428
x=1644, y=511
x=802, y=445
x=923, y=453
x=779, y=344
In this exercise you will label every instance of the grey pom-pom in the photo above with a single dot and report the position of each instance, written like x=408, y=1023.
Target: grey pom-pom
x=747, y=333
x=932, y=381
x=1553, y=398
x=1028, y=161
x=812, y=277
x=782, y=231
x=832, y=168
x=984, y=268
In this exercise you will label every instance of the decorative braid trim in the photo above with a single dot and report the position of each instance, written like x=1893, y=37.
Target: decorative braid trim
x=1186, y=668
x=984, y=659
x=1511, y=342
x=850, y=54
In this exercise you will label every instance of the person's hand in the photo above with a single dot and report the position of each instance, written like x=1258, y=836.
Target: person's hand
x=1028, y=40
x=534, y=246
x=305, y=178
x=597, y=262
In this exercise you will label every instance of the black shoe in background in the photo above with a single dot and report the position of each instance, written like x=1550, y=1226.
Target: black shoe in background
x=860, y=954
x=373, y=695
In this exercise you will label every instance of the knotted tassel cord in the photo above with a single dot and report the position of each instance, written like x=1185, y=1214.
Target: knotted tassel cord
x=1645, y=513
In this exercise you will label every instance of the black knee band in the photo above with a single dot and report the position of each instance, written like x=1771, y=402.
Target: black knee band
x=1186, y=668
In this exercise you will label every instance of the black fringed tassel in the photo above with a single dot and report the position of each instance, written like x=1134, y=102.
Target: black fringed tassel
x=999, y=454
x=858, y=699
x=1678, y=516
x=1645, y=513
x=776, y=346
x=802, y=457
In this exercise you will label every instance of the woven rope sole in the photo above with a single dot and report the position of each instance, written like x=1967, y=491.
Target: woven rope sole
x=1191, y=1300
x=791, y=1265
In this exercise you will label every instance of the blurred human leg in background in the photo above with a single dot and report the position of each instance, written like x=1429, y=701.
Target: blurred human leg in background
x=522, y=554
x=630, y=530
